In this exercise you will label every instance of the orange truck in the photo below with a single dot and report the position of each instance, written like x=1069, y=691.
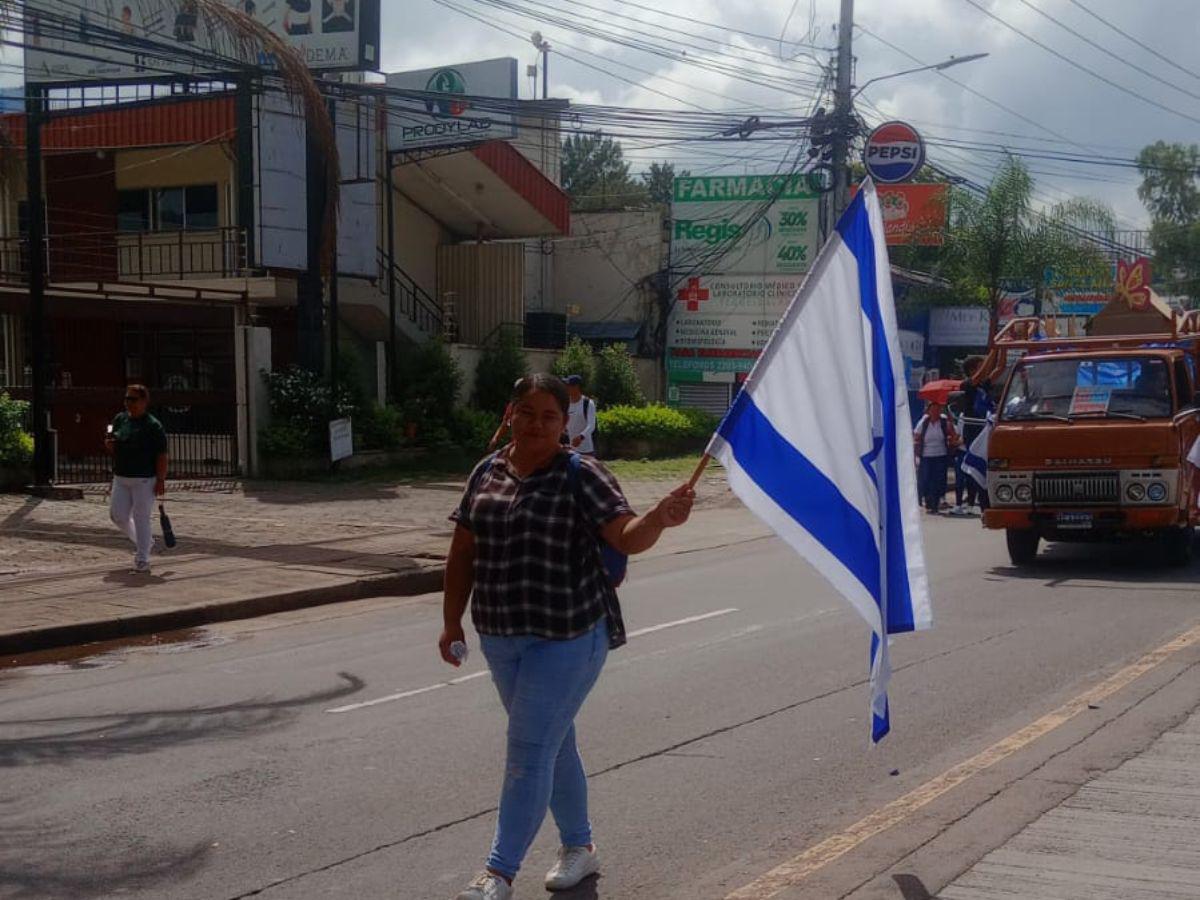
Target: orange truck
x=1093, y=434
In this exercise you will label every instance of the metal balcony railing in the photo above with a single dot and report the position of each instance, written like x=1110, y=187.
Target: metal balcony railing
x=131, y=256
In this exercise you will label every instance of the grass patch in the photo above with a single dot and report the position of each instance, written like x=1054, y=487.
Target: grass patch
x=672, y=468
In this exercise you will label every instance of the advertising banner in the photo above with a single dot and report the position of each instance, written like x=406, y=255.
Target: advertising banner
x=1078, y=293
x=958, y=326
x=913, y=213
x=116, y=40
x=744, y=224
x=453, y=108
x=720, y=323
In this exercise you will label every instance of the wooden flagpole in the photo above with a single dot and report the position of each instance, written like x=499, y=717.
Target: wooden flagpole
x=700, y=467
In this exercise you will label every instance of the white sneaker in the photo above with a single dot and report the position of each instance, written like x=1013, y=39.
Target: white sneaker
x=140, y=568
x=486, y=886
x=574, y=864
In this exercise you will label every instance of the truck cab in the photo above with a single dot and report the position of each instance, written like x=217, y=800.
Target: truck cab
x=1091, y=443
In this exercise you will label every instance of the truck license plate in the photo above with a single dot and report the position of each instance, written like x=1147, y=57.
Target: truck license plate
x=1074, y=521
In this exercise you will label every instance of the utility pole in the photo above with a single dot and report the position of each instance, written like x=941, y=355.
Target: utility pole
x=843, y=111
x=43, y=452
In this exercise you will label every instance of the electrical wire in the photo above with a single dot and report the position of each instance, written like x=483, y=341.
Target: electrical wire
x=1080, y=66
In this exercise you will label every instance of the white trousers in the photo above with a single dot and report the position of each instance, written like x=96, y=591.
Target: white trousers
x=131, y=508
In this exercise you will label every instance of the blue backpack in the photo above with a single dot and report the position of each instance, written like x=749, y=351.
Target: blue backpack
x=613, y=561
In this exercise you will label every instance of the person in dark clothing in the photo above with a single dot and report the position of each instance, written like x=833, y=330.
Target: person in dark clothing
x=138, y=444
x=976, y=405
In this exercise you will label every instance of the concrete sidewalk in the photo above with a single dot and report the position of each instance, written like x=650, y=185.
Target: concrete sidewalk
x=1131, y=834
x=252, y=549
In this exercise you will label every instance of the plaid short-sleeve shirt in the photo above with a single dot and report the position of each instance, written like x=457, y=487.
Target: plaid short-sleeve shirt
x=537, y=560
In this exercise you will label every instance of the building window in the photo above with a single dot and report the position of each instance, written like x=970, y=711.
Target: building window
x=192, y=208
x=181, y=359
x=133, y=211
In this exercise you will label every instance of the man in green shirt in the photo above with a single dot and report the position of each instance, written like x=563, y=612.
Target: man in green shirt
x=138, y=443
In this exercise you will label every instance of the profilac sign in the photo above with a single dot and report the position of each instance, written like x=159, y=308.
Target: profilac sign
x=456, y=105
x=110, y=40
x=894, y=152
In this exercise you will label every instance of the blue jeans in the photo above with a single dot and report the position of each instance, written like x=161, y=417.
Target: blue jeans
x=542, y=685
x=931, y=480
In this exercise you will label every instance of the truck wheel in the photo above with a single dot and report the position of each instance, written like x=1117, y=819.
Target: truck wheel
x=1177, y=545
x=1022, y=545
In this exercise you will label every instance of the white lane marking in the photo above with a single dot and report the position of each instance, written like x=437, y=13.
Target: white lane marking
x=350, y=707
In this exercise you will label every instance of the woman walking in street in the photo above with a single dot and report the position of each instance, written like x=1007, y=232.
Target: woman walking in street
x=526, y=553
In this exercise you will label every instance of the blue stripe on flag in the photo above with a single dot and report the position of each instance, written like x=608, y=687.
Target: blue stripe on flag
x=896, y=601
x=801, y=490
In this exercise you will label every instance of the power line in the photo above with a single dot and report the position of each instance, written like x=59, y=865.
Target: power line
x=1080, y=66
x=1109, y=53
x=1129, y=37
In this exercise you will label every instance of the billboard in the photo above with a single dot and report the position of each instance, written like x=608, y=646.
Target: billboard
x=453, y=108
x=744, y=224
x=358, y=215
x=116, y=40
x=913, y=213
x=959, y=326
x=719, y=323
x=280, y=186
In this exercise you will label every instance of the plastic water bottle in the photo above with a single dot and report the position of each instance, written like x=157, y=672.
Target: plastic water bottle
x=459, y=651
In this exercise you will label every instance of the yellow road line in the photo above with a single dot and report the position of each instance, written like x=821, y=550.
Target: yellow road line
x=795, y=870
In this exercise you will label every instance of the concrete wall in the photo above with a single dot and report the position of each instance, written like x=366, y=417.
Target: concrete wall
x=599, y=267
x=467, y=356
x=539, y=139
x=416, y=239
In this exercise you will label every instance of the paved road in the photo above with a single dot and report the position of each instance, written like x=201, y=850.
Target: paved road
x=321, y=755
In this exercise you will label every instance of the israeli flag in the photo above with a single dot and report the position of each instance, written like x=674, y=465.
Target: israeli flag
x=818, y=442
x=975, y=461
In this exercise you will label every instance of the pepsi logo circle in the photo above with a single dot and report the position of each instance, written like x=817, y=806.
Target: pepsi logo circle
x=894, y=153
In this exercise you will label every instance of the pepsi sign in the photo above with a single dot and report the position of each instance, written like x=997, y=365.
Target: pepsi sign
x=894, y=153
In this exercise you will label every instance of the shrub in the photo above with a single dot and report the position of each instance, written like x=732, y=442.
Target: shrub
x=379, y=428
x=616, y=382
x=501, y=364
x=285, y=440
x=16, y=447
x=653, y=430
x=427, y=384
x=471, y=429
x=576, y=358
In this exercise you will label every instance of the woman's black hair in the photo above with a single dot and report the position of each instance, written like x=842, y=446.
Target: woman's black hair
x=542, y=381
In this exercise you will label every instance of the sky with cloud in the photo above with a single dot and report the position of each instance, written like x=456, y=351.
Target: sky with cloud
x=1024, y=97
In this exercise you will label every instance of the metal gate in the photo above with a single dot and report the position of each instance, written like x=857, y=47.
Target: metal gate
x=201, y=442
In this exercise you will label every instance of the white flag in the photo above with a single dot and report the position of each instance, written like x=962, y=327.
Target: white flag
x=818, y=443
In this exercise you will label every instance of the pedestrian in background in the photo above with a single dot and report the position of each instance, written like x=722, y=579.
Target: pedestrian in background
x=138, y=444
x=526, y=554
x=934, y=439
x=581, y=417
x=977, y=404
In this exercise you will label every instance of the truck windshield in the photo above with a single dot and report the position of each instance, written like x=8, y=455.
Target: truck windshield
x=1120, y=388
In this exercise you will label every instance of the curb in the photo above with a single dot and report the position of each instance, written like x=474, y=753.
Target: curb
x=53, y=637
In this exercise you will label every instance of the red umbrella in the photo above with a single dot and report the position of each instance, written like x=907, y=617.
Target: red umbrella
x=939, y=391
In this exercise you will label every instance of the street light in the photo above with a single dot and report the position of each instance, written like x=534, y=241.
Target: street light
x=936, y=67
x=544, y=46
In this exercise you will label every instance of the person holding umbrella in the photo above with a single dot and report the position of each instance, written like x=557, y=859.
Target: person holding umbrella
x=934, y=439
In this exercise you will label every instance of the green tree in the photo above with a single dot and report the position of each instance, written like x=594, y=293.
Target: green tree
x=576, y=358
x=617, y=382
x=1170, y=189
x=501, y=364
x=1000, y=236
x=659, y=182
x=596, y=175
